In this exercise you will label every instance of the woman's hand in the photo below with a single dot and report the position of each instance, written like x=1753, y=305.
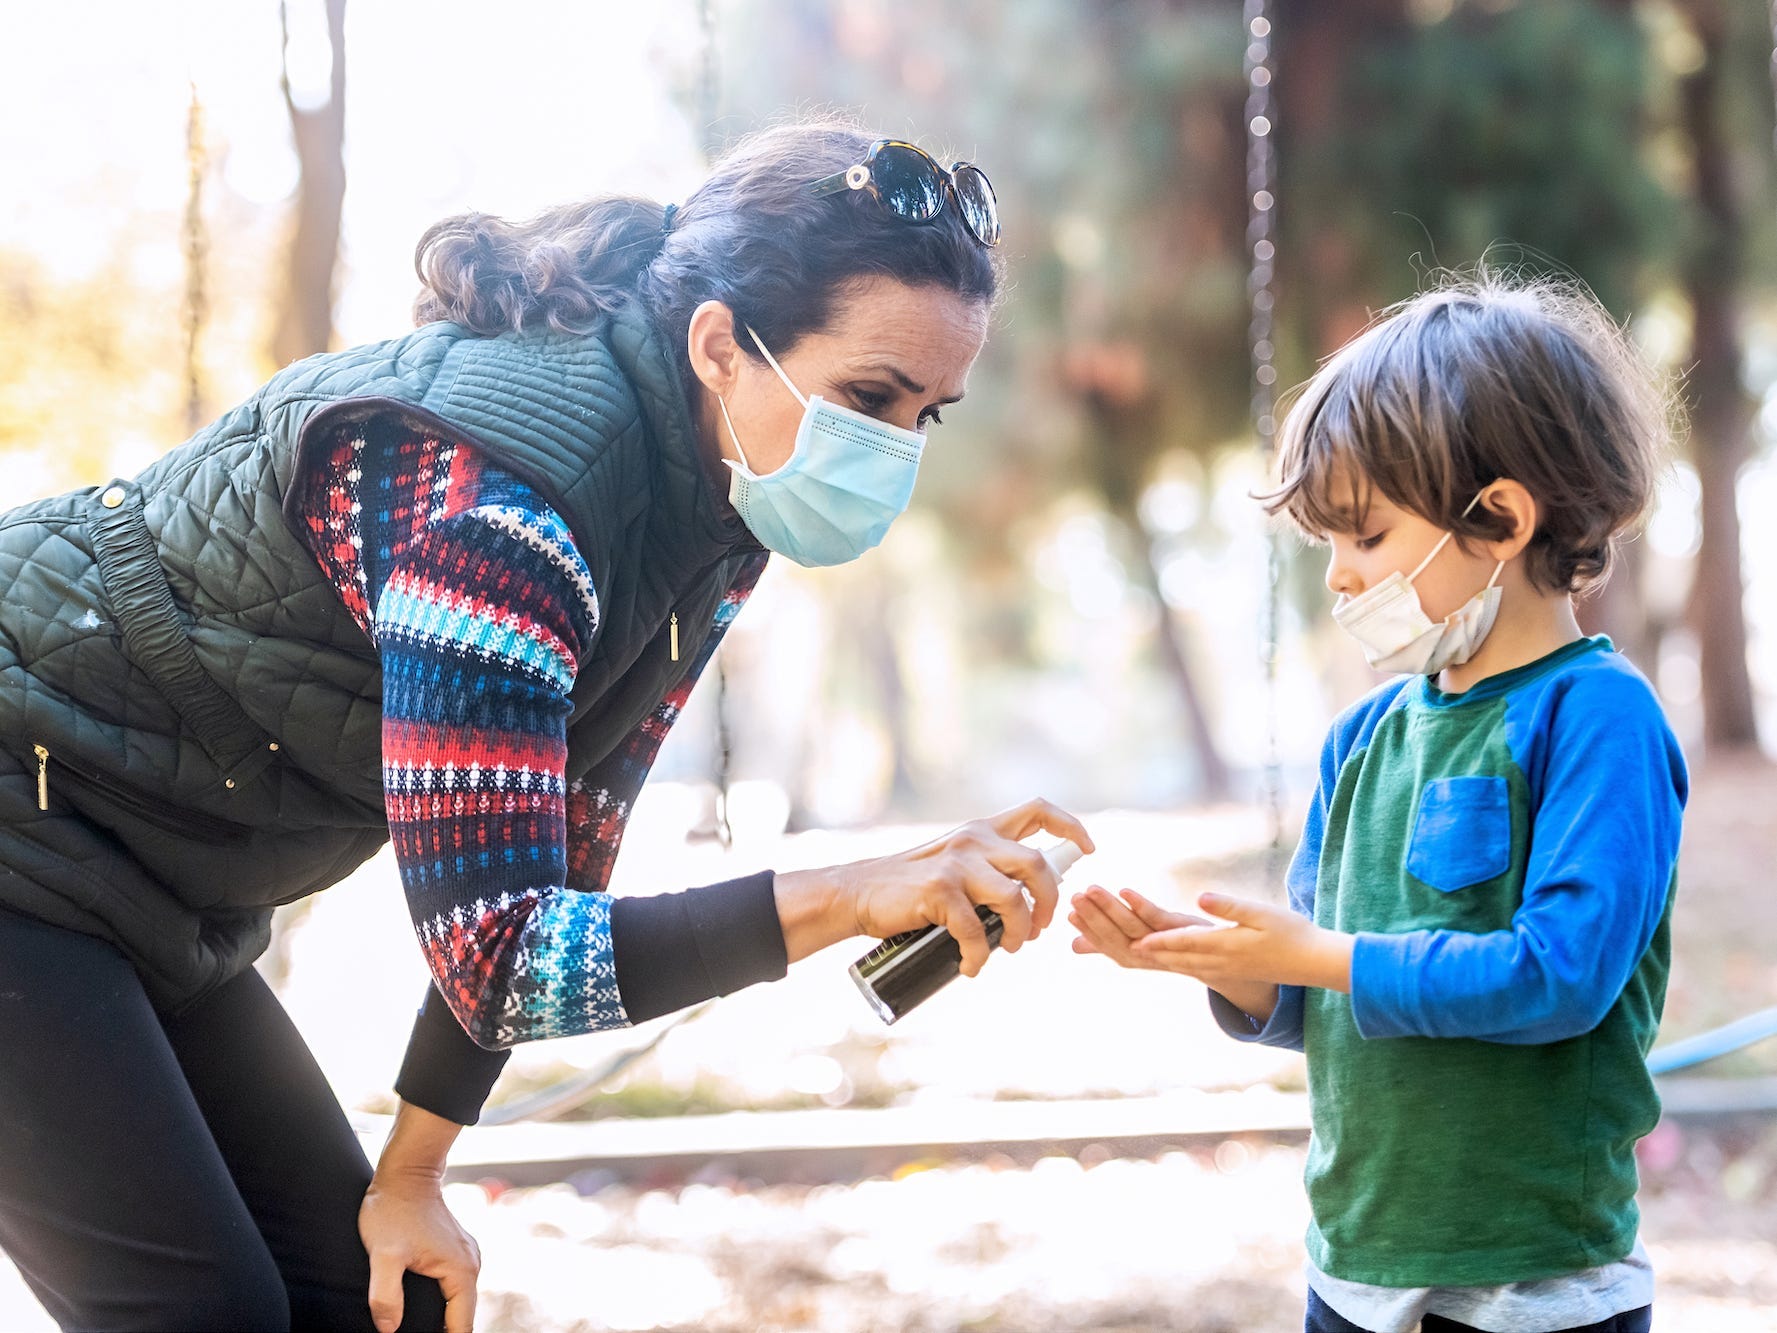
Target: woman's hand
x=983, y=861
x=1262, y=943
x=406, y=1227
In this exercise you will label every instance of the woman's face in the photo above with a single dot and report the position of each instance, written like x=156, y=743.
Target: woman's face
x=894, y=352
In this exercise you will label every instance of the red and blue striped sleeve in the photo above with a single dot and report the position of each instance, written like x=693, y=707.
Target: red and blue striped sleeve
x=481, y=608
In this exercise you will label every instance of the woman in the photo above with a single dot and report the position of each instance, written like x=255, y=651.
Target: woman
x=452, y=590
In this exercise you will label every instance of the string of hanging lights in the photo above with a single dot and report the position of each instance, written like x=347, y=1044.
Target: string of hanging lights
x=1261, y=233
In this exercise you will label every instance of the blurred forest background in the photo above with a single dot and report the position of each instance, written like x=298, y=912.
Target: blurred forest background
x=1079, y=601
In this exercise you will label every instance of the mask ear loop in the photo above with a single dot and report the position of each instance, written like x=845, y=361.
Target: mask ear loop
x=1445, y=540
x=757, y=342
x=1430, y=556
x=723, y=404
x=1500, y=567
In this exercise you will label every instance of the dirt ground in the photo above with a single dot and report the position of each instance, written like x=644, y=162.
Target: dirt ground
x=1207, y=1242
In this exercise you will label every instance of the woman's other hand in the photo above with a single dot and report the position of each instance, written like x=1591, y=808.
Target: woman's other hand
x=983, y=861
x=406, y=1227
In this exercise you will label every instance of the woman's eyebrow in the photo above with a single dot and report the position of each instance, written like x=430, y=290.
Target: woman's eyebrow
x=901, y=378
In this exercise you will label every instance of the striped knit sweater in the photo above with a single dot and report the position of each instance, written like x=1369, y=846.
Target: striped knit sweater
x=479, y=605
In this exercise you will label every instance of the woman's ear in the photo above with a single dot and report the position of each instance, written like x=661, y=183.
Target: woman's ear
x=1509, y=501
x=714, y=354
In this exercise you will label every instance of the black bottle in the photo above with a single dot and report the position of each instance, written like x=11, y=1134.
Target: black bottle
x=907, y=969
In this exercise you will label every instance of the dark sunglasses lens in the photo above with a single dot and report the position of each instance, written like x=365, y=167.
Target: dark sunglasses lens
x=980, y=210
x=908, y=182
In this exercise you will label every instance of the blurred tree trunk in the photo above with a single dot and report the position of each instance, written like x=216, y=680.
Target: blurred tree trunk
x=305, y=314
x=1320, y=273
x=879, y=647
x=1174, y=647
x=865, y=621
x=1721, y=414
x=304, y=318
x=1113, y=383
x=1619, y=608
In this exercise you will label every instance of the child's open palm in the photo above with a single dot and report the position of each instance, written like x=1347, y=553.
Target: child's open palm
x=1244, y=942
x=1111, y=927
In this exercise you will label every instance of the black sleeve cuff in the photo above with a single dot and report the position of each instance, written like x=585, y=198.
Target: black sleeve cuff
x=445, y=1072
x=678, y=949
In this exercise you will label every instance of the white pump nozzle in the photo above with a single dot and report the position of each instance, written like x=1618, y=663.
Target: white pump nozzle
x=1061, y=857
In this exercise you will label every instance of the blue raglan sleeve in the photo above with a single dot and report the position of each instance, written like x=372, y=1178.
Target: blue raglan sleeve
x=1284, y=1028
x=1608, y=793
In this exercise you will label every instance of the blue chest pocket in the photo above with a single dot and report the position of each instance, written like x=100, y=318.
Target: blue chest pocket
x=1462, y=834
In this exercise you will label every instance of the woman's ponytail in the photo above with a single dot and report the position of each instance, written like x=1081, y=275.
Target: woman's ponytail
x=556, y=271
x=753, y=236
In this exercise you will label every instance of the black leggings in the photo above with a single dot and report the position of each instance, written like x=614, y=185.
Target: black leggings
x=173, y=1173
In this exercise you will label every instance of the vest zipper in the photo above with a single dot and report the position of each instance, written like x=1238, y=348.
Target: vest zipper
x=673, y=627
x=184, y=823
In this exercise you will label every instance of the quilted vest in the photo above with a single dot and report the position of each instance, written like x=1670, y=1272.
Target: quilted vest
x=190, y=719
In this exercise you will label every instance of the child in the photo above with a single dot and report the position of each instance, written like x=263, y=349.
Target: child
x=1476, y=958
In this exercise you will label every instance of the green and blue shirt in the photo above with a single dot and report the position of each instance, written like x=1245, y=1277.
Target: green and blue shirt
x=1506, y=860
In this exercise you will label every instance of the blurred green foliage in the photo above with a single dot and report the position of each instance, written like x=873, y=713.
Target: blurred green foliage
x=1521, y=135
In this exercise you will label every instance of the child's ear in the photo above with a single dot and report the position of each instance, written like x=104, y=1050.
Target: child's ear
x=1509, y=500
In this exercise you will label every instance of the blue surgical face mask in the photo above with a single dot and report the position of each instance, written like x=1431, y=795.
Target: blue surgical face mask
x=849, y=477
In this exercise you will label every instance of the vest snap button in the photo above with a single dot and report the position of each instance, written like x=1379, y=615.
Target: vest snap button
x=229, y=783
x=112, y=497
x=272, y=746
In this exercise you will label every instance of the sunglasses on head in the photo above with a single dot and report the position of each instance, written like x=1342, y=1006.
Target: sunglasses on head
x=910, y=184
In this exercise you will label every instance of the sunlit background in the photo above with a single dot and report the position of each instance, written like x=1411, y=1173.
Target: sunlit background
x=1076, y=605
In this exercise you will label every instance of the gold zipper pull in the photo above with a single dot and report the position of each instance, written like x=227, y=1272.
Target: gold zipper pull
x=42, y=776
x=674, y=627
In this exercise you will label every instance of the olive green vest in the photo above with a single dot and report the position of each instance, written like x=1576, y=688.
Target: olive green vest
x=190, y=719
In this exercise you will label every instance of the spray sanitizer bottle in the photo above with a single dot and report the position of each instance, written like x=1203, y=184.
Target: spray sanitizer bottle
x=907, y=969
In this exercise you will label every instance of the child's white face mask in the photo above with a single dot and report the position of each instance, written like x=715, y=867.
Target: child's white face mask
x=1391, y=626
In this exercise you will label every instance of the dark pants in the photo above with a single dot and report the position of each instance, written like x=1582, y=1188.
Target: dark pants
x=1323, y=1318
x=173, y=1173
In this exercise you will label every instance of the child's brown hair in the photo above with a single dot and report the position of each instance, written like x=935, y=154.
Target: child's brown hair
x=1484, y=378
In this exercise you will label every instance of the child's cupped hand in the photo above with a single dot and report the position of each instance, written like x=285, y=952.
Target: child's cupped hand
x=1111, y=925
x=1241, y=941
